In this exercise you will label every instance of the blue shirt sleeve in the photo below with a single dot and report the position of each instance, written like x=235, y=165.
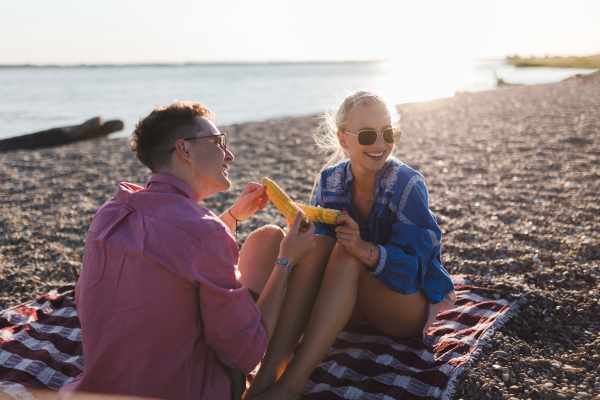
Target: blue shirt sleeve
x=414, y=246
x=323, y=228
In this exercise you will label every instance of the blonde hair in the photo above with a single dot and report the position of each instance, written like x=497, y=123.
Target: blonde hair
x=325, y=135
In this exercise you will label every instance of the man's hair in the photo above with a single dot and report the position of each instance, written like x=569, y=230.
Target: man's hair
x=156, y=134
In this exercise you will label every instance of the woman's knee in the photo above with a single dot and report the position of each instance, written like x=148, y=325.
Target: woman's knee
x=342, y=262
x=340, y=253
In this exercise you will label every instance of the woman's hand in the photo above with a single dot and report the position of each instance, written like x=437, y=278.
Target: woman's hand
x=252, y=199
x=349, y=237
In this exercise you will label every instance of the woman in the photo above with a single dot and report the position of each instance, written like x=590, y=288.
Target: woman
x=380, y=265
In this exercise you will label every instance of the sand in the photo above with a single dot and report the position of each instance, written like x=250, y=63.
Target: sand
x=513, y=177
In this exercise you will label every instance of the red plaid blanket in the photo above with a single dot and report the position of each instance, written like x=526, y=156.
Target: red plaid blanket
x=40, y=347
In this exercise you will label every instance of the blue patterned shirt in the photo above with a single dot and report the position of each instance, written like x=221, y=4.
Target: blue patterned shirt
x=399, y=222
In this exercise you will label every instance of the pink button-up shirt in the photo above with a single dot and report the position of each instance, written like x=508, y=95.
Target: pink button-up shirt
x=160, y=297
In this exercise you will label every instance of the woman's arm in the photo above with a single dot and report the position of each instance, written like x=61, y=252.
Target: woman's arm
x=414, y=244
x=349, y=237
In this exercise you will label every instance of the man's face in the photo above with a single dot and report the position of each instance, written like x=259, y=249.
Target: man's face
x=210, y=161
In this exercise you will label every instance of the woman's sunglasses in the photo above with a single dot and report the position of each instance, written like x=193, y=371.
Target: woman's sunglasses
x=221, y=142
x=369, y=136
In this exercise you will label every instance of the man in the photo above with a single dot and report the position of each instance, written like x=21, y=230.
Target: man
x=162, y=308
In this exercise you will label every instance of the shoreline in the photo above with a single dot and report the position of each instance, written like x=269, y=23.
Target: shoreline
x=127, y=107
x=588, y=62
x=513, y=176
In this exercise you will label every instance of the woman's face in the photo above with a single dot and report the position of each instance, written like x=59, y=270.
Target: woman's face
x=372, y=157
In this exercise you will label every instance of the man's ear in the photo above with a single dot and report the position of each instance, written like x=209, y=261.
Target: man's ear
x=182, y=148
x=342, y=139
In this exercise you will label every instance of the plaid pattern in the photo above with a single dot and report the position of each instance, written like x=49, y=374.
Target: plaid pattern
x=40, y=344
x=40, y=347
x=365, y=364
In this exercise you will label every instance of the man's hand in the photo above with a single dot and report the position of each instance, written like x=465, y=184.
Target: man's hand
x=289, y=226
x=349, y=237
x=298, y=244
x=252, y=199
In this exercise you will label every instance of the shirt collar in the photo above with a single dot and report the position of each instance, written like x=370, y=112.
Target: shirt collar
x=180, y=186
x=349, y=175
x=378, y=176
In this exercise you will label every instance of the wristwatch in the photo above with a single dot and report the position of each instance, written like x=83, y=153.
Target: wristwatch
x=285, y=262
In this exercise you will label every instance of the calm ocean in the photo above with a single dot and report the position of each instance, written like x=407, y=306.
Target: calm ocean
x=34, y=99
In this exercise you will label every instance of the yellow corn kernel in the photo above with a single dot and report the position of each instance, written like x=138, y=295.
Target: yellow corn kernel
x=320, y=214
x=283, y=202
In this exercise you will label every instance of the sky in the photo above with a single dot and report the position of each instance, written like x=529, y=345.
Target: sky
x=68, y=32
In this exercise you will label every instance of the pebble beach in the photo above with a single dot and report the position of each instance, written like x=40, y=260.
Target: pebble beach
x=514, y=181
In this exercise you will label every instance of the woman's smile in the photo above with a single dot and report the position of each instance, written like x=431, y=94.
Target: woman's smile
x=375, y=155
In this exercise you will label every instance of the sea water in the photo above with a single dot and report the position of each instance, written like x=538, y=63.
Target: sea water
x=39, y=98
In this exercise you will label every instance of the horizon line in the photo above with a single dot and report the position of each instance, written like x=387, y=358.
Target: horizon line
x=183, y=64
x=207, y=63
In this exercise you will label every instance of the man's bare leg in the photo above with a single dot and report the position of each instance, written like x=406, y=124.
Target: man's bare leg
x=258, y=255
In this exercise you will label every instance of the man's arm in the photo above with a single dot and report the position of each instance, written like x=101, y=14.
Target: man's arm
x=293, y=248
x=232, y=327
x=229, y=219
x=252, y=199
x=230, y=319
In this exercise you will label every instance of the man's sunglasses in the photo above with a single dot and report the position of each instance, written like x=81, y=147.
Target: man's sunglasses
x=369, y=136
x=221, y=143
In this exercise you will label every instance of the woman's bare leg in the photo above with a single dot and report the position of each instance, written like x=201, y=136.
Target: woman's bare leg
x=301, y=292
x=392, y=313
x=258, y=255
x=346, y=283
x=331, y=312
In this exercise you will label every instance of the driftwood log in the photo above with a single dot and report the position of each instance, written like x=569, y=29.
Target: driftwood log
x=94, y=128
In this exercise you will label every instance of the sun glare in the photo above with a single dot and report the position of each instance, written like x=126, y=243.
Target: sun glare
x=423, y=79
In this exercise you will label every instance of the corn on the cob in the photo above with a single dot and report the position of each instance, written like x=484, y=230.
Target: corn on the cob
x=288, y=208
x=320, y=214
x=283, y=202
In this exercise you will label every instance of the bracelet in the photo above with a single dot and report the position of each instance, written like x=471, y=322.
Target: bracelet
x=236, y=221
x=364, y=262
x=285, y=263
